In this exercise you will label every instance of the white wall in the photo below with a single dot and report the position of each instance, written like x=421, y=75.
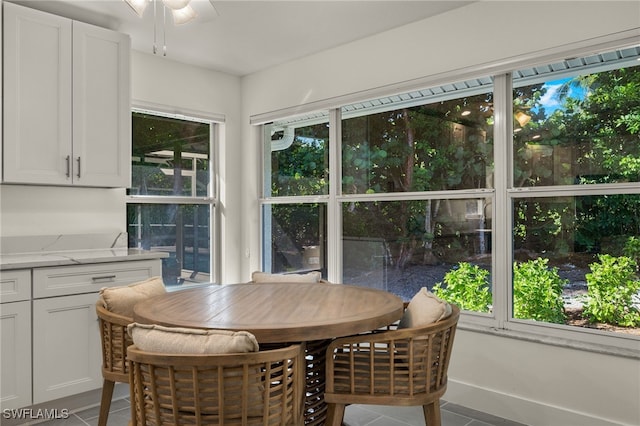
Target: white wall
x=529, y=382
x=543, y=385
x=39, y=210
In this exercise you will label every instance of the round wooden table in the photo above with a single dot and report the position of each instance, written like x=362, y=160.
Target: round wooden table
x=278, y=313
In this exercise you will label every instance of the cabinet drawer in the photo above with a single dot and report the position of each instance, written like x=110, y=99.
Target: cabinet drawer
x=15, y=285
x=66, y=280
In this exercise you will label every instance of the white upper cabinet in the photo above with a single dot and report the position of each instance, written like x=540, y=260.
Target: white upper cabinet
x=101, y=107
x=37, y=96
x=67, y=118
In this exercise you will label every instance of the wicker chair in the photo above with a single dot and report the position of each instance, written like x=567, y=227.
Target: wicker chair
x=255, y=388
x=115, y=340
x=115, y=312
x=404, y=367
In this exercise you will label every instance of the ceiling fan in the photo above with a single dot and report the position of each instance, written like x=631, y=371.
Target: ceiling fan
x=183, y=11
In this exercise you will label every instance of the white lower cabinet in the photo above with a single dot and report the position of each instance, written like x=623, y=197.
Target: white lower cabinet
x=15, y=361
x=15, y=338
x=66, y=347
x=50, y=338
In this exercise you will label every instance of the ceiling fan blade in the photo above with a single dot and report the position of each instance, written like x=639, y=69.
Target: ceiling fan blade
x=214, y=7
x=204, y=9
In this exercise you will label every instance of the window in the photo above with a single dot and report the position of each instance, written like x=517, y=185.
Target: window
x=399, y=158
x=579, y=128
x=294, y=214
x=530, y=224
x=170, y=203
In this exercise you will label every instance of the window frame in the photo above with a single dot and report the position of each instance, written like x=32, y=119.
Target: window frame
x=216, y=122
x=501, y=321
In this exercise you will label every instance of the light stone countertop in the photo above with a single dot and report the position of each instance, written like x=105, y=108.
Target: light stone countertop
x=62, y=250
x=75, y=257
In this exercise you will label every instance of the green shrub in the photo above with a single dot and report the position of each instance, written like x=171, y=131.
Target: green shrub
x=612, y=284
x=632, y=248
x=537, y=292
x=467, y=286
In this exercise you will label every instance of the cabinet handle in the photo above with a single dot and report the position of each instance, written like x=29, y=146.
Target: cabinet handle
x=68, y=165
x=103, y=278
x=78, y=167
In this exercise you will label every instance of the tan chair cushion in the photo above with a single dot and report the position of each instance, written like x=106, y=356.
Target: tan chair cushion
x=177, y=340
x=424, y=308
x=188, y=341
x=121, y=300
x=265, y=277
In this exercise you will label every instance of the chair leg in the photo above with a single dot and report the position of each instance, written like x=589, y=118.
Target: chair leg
x=335, y=414
x=432, y=413
x=105, y=402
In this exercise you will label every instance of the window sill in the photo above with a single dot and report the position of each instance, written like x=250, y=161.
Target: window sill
x=629, y=348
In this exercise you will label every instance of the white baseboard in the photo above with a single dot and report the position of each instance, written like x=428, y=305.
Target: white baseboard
x=526, y=411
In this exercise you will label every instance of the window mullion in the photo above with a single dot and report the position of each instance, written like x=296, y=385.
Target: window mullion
x=502, y=217
x=334, y=209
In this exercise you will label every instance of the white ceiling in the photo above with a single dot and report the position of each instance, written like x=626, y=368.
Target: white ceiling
x=241, y=37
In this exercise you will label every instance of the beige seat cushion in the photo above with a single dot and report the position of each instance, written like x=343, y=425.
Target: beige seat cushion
x=265, y=277
x=177, y=340
x=121, y=300
x=424, y=308
x=189, y=341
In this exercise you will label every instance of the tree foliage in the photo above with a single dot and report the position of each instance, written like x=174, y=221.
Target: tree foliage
x=592, y=138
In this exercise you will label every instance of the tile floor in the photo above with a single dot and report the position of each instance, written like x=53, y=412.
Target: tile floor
x=355, y=415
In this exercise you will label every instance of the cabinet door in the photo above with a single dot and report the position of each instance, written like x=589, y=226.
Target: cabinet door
x=66, y=347
x=101, y=107
x=37, y=97
x=15, y=359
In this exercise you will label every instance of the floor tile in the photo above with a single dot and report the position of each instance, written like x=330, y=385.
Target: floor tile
x=479, y=415
x=454, y=419
x=116, y=418
x=406, y=415
x=94, y=412
x=479, y=423
x=72, y=420
x=355, y=415
x=386, y=421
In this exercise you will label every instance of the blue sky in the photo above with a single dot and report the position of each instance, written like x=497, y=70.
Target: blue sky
x=551, y=100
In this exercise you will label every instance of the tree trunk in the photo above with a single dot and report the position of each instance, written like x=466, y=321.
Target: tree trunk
x=429, y=257
x=407, y=247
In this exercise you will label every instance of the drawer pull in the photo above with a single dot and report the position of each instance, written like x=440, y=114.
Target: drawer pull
x=103, y=278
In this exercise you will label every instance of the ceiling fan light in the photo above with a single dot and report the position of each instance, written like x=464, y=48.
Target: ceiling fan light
x=184, y=15
x=176, y=4
x=138, y=6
